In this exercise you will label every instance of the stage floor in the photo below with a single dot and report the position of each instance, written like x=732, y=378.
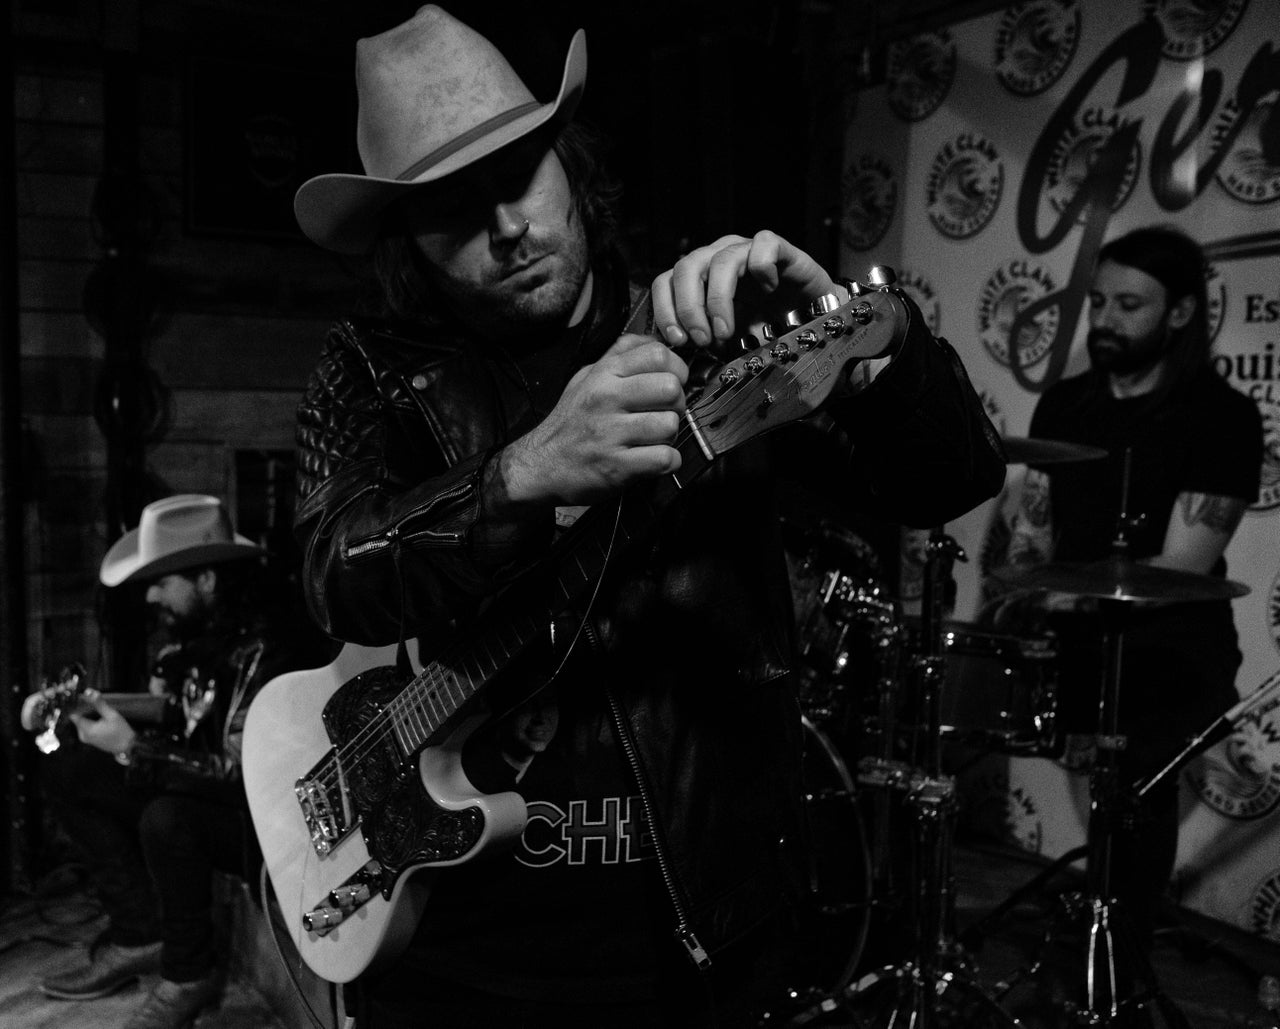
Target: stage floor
x=1209, y=970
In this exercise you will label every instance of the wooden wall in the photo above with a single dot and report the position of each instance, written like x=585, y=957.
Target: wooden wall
x=725, y=118
x=241, y=315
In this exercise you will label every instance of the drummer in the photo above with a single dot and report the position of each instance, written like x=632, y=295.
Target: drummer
x=1184, y=452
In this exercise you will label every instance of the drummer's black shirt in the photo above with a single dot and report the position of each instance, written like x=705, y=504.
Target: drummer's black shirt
x=1209, y=440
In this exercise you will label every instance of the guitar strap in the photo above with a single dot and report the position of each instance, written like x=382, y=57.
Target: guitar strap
x=641, y=320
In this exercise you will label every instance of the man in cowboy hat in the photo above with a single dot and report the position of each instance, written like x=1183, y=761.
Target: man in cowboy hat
x=157, y=810
x=513, y=382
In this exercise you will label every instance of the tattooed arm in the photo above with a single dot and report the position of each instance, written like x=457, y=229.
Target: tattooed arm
x=1031, y=539
x=1200, y=527
x=1030, y=544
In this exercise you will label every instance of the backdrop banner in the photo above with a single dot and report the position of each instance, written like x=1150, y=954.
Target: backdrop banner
x=999, y=156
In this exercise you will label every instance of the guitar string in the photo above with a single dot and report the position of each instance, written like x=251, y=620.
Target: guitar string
x=382, y=726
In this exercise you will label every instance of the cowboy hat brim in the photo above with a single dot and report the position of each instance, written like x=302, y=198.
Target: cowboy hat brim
x=124, y=564
x=342, y=211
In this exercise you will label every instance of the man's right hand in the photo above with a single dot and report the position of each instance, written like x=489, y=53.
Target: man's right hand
x=615, y=423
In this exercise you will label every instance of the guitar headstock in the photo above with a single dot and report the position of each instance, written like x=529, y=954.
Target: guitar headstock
x=57, y=697
x=799, y=364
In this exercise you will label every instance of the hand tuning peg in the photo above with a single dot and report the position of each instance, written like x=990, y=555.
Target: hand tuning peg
x=882, y=275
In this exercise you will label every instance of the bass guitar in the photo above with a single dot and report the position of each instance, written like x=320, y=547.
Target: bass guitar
x=354, y=775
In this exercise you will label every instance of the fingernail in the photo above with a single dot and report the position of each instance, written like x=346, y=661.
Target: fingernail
x=699, y=337
x=674, y=334
x=720, y=327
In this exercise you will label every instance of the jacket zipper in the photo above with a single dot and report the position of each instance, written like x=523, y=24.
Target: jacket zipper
x=384, y=539
x=684, y=932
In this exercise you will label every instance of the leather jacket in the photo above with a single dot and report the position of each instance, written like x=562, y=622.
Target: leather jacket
x=694, y=624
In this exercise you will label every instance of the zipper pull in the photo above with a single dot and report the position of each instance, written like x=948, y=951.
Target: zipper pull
x=695, y=949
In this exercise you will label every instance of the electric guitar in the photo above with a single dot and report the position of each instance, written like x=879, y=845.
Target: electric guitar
x=354, y=776
x=64, y=695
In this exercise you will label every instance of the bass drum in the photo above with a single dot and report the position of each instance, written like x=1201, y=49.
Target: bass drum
x=835, y=918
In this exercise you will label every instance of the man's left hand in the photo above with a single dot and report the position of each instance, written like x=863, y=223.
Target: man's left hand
x=105, y=729
x=734, y=282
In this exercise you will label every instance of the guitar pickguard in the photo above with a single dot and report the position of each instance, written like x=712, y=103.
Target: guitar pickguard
x=380, y=789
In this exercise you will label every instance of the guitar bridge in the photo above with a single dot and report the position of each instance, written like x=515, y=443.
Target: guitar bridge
x=322, y=806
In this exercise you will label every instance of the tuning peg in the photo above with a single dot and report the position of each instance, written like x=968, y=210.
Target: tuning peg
x=790, y=320
x=882, y=275
x=825, y=304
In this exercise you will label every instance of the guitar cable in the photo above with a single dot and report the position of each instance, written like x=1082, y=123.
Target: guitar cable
x=265, y=895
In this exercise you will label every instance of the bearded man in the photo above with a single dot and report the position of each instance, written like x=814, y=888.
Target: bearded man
x=1184, y=451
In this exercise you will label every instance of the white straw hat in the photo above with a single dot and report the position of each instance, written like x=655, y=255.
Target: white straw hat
x=434, y=97
x=176, y=533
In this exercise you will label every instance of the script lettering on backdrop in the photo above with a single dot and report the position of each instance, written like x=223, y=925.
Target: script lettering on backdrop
x=1139, y=50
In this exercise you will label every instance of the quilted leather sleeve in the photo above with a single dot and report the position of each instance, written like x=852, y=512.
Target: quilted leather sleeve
x=391, y=517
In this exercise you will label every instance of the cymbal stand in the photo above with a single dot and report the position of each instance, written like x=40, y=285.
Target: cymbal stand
x=936, y=985
x=1113, y=953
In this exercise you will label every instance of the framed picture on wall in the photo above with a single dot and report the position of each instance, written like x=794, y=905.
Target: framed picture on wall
x=253, y=133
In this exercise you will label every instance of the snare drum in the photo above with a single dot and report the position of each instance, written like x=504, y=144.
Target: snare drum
x=998, y=691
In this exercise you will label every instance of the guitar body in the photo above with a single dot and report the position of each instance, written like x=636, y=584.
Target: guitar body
x=401, y=816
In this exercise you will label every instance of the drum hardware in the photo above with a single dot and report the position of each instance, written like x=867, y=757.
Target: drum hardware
x=937, y=983
x=1114, y=957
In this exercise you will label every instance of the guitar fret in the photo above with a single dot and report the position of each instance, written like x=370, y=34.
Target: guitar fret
x=472, y=680
x=421, y=726
x=399, y=731
x=457, y=694
x=437, y=713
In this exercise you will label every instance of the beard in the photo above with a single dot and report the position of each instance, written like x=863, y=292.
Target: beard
x=1126, y=355
x=535, y=287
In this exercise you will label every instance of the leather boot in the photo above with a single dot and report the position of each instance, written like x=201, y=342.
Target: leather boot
x=175, y=1005
x=109, y=968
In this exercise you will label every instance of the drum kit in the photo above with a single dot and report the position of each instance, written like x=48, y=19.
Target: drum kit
x=893, y=694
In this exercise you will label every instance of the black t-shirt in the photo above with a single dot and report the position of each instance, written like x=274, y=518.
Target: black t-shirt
x=575, y=910
x=1208, y=440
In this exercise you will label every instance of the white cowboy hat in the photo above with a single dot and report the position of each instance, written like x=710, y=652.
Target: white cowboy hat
x=176, y=533
x=434, y=97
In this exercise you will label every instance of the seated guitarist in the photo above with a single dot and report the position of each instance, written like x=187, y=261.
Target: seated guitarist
x=154, y=811
x=509, y=384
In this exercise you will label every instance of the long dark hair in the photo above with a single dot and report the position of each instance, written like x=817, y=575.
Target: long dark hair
x=402, y=273
x=1175, y=260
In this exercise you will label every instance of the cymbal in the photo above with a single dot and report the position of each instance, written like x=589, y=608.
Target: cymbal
x=1118, y=578
x=1033, y=450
